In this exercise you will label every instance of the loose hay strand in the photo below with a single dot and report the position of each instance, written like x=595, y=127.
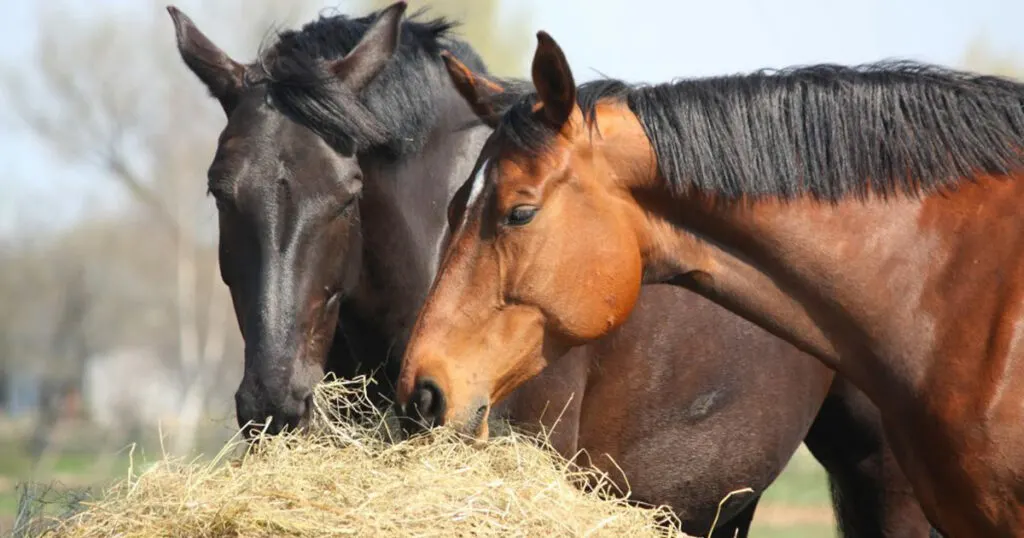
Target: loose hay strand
x=345, y=477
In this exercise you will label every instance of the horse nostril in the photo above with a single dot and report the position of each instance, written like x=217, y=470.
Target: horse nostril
x=424, y=397
x=428, y=402
x=481, y=413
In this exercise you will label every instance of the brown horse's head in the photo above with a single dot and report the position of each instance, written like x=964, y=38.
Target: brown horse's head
x=517, y=288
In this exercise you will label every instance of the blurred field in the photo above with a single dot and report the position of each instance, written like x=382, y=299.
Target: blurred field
x=796, y=506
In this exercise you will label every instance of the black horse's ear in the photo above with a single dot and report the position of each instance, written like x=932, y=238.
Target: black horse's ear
x=371, y=54
x=222, y=76
x=475, y=89
x=553, y=80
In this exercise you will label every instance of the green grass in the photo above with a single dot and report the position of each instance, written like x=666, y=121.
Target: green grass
x=74, y=467
x=801, y=488
x=14, y=459
x=793, y=531
x=71, y=470
x=8, y=503
x=803, y=483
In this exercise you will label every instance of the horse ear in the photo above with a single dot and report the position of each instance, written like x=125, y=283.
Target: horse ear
x=371, y=54
x=475, y=89
x=552, y=77
x=221, y=75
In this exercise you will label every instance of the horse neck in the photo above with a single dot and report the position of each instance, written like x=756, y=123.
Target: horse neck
x=404, y=210
x=862, y=285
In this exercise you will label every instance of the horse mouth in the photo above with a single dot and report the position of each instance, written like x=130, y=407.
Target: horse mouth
x=273, y=426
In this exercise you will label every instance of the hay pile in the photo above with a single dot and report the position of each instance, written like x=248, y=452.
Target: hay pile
x=344, y=479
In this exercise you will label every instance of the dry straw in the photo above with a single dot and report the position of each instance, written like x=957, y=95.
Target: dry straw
x=343, y=478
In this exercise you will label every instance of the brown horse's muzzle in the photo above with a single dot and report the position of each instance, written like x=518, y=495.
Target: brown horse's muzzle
x=428, y=406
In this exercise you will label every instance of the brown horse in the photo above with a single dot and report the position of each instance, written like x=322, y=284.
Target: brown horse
x=344, y=143
x=870, y=216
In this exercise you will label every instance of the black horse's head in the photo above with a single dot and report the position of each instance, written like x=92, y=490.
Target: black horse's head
x=286, y=187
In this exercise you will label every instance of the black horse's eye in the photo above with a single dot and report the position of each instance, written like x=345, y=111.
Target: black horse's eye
x=520, y=215
x=220, y=199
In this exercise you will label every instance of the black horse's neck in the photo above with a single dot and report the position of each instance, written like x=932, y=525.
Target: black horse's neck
x=403, y=220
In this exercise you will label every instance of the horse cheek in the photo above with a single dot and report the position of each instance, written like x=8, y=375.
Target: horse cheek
x=613, y=295
x=624, y=290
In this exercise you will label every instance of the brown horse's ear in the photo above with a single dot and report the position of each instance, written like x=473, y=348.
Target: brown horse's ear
x=475, y=89
x=556, y=90
x=221, y=75
x=369, y=57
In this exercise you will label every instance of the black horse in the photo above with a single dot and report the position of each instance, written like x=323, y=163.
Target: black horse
x=345, y=142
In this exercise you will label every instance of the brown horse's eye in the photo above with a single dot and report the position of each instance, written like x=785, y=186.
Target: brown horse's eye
x=520, y=215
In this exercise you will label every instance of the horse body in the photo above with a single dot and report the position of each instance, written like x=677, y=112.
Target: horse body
x=869, y=217
x=308, y=266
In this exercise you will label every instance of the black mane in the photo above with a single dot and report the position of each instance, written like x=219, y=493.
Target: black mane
x=827, y=131
x=394, y=111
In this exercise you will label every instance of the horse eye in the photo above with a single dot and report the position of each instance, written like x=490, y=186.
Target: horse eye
x=520, y=215
x=220, y=199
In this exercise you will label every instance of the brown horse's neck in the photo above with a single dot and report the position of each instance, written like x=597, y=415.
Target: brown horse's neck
x=675, y=248
x=824, y=277
x=710, y=251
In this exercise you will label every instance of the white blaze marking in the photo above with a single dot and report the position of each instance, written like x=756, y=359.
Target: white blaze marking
x=478, y=183
x=474, y=192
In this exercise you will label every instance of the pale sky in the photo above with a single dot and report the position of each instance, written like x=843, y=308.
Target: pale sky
x=637, y=40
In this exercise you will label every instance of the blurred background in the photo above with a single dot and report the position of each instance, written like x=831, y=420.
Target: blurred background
x=114, y=325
